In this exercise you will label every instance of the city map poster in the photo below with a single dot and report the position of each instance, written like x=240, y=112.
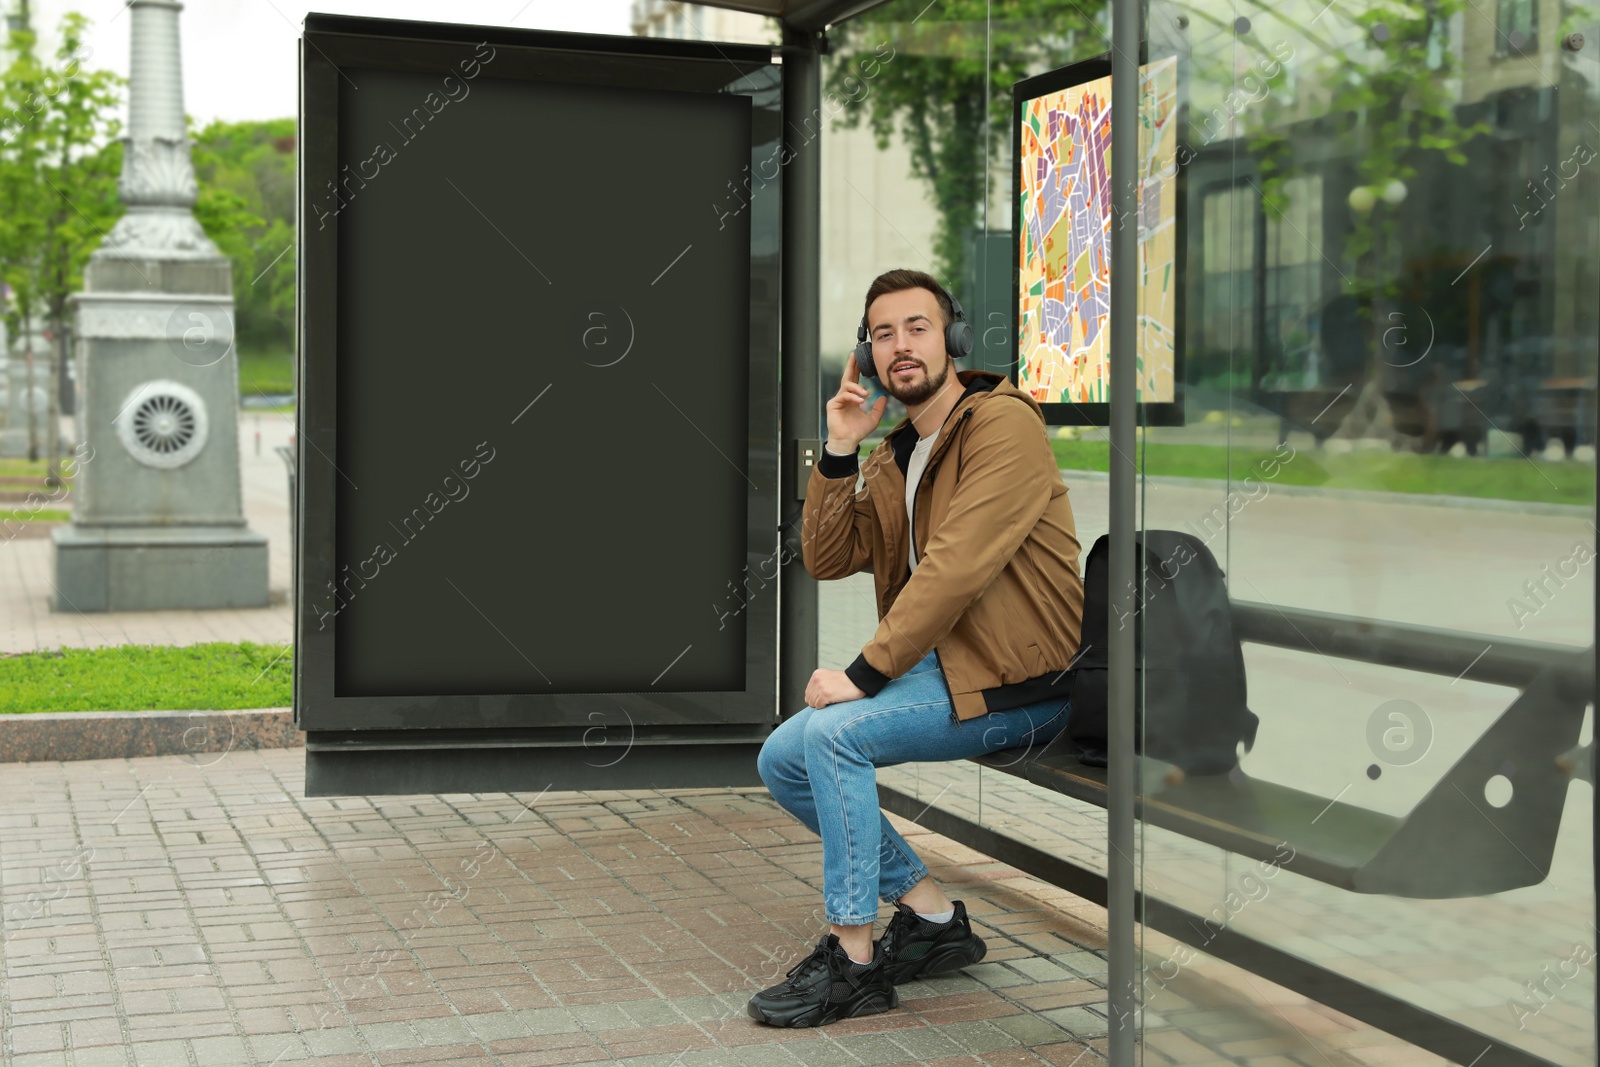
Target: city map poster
x=1064, y=208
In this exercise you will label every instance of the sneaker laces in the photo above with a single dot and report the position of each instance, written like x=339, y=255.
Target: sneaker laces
x=902, y=919
x=805, y=970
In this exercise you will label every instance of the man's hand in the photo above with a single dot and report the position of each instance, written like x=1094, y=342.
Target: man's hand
x=830, y=687
x=848, y=422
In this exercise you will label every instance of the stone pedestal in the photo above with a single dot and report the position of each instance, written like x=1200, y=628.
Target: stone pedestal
x=116, y=568
x=158, y=519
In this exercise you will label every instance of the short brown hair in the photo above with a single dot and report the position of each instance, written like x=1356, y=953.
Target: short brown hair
x=896, y=281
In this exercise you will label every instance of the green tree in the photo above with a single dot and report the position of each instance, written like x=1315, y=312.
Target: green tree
x=246, y=177
x=949, y=87
x=59, y=161
x=1395, y=77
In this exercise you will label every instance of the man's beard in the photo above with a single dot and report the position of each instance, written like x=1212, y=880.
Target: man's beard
x=916, y=394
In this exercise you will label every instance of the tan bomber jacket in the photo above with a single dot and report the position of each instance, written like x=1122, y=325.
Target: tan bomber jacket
x=997, y=593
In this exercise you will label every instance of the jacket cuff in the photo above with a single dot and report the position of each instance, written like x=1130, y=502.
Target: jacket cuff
x=832, y=466
x=865, y=676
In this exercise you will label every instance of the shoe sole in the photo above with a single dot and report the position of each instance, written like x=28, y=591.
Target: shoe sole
x=874, y=1003
x=942, y=961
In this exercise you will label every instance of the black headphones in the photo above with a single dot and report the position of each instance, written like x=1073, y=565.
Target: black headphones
x=957, y=338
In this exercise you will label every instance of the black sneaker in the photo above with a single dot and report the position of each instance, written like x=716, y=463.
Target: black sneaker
x=825, y=987
x=913, y=947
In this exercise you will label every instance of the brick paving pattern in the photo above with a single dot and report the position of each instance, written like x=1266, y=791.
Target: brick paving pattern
x=200, y=911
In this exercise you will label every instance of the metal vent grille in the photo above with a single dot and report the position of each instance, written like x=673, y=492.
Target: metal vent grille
x=163, y=424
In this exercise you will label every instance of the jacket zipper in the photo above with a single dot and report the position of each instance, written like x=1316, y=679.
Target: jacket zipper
x=954, y=718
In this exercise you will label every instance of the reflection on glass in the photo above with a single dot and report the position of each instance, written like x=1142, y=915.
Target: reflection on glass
x=1394, y=305
x=1389, y=393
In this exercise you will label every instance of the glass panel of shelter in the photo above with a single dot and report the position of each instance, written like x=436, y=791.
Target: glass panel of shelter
x=1359, y=311
x=1399, y=288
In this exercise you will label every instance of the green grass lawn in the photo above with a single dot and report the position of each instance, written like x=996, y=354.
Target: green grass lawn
x=1391, y=472
x=23, y=476
x=1394, y=472
x=20, y=513
x=271, y=373
x=210, y=677
x=34, y=470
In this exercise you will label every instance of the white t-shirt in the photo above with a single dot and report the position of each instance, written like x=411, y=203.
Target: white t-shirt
x=914, y=469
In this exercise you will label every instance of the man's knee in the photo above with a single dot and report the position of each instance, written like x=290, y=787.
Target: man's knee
x=779, y=755
x=830, y=727
x=767, y=761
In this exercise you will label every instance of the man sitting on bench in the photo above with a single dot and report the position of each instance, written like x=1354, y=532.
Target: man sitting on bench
x=965, y=524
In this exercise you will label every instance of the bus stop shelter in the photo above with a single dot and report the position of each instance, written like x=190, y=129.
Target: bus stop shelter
x=618, y=243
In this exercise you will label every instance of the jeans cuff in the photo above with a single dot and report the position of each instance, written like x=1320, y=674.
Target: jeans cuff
x=906, y=887
x=838, y=921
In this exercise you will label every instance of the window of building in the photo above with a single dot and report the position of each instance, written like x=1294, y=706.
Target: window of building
x=1516, y=27
x=1294, y=276
x=1228, y=260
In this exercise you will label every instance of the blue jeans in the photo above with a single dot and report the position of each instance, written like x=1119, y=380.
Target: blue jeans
x=820, y=766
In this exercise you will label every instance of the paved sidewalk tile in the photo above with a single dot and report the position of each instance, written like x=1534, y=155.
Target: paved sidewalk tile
x=216, y=917
x=27, y=571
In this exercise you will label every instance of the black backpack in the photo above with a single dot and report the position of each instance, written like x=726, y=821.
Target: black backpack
x=1190, y=702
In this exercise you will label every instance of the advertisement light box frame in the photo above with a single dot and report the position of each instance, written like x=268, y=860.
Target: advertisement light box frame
x=537, y=370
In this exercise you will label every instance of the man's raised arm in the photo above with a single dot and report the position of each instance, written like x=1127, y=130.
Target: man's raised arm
x=838, y=525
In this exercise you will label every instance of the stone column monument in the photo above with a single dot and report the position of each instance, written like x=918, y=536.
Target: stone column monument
x=14, y=438
x=157, y=518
